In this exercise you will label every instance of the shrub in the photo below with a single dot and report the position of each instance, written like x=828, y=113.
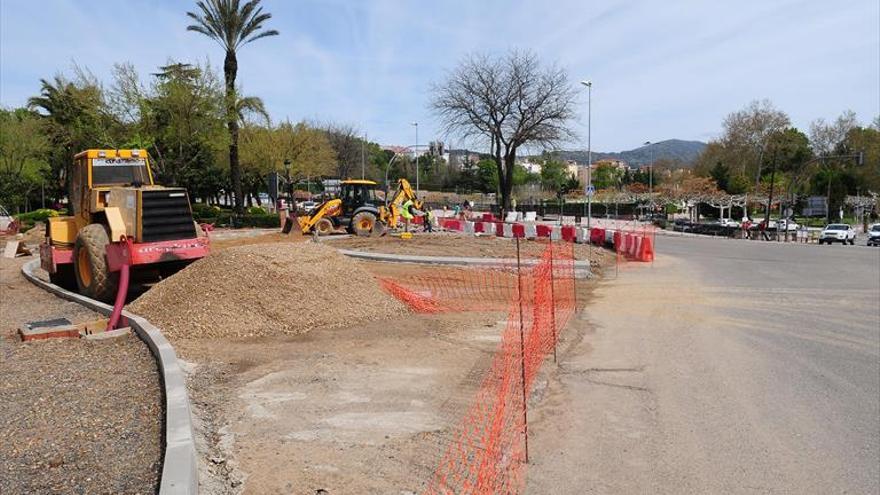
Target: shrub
x=37, y=215
x=257, y=210
x=202, y=211
x=265, y=221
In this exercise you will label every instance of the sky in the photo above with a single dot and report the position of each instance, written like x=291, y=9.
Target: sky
x=660, y=70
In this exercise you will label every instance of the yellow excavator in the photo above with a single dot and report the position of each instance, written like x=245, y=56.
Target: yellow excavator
x=357, y=210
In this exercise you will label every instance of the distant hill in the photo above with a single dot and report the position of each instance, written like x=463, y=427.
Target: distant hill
x=685, y=152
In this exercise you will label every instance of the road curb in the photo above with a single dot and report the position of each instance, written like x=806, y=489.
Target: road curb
x=581, y=268
x=179, y=469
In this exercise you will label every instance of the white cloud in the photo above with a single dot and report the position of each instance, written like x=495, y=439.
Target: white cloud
x=661, y=70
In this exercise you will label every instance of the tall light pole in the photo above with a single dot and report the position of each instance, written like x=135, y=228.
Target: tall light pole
x=416, y=124
x=589, y=85
x=651, y=175
x=363, y=159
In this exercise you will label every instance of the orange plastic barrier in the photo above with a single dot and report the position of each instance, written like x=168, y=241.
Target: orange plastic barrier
x=488, y=451
x=646, y=250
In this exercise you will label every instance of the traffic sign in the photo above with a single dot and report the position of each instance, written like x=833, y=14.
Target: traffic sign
x=590, y=190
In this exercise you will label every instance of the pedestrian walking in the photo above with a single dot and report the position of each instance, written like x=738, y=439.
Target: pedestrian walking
x=429, y=221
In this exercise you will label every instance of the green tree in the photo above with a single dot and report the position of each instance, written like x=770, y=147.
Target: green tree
x=265, y=149
x=231, y=24
x=487, y=176
x=607, y=176
x=867, y=141
x=555, y=177
x=76, y=118
x=721, y=174
x=183, y=117
x=23, y=156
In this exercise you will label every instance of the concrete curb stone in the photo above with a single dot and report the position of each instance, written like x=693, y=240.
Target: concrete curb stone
x=179, y=468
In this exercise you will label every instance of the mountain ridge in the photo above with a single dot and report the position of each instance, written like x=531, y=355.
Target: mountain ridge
x=677, y=150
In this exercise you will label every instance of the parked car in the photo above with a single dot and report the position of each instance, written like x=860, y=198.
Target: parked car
x=874, y=235
x=307, y=206
x=837, y=232
x=8, y=224
x=787, y=225
x=727, y=222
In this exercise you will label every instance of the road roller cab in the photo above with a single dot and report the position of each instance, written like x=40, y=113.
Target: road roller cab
x=118, y=216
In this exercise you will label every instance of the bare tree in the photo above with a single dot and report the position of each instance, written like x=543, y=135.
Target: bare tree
x=749, y=130
x=825, y=137
x=347, y=142
x=506, y=102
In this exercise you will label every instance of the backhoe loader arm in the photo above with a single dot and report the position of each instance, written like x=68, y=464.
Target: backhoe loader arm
x=403, y=193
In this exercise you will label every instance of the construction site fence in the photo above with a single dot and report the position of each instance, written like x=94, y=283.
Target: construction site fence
x=631, y=240
x=488, y=451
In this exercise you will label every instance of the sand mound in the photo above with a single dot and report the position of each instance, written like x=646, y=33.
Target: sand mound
x=268, y=289
x=34, y=235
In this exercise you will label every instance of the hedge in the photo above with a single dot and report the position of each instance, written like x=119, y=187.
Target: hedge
x=228, y=220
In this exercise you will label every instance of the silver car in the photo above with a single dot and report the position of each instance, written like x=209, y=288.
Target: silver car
x=838, y=232
x=874, y=235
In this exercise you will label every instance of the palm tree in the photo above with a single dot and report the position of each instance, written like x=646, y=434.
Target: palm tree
x=232, y=25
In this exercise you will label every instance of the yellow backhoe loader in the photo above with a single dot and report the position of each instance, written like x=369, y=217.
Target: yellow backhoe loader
x=357, y=210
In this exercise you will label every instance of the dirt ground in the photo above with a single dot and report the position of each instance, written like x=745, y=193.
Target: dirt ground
x=76, y=416
x=367, y=408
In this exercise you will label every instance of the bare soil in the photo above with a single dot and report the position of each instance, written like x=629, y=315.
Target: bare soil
x=76, y=416
x=365, y=408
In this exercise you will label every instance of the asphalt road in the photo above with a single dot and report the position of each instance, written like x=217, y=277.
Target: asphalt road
x=728, y=367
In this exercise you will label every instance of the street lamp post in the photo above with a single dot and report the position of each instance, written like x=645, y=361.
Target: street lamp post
x=416, y=124
x=651, y=175
x=589, y=85
x=287, y=164
x=363, y=160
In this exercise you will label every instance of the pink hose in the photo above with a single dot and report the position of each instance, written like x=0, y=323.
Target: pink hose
x=120, y=293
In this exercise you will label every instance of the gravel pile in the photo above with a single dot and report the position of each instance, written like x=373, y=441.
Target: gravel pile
x=265, y=289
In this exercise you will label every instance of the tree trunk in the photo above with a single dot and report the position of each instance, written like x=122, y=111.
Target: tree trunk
x=507, y=183
x=230, y=70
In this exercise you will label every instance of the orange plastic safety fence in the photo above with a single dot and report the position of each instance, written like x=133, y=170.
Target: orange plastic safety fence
x=456, y=290
x=487, y=453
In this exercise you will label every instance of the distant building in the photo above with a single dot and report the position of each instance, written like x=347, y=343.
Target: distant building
x=610, y=162
x=458, y=159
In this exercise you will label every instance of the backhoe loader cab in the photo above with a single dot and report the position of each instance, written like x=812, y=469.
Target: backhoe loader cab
x=118, y=216
x=356, y=209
